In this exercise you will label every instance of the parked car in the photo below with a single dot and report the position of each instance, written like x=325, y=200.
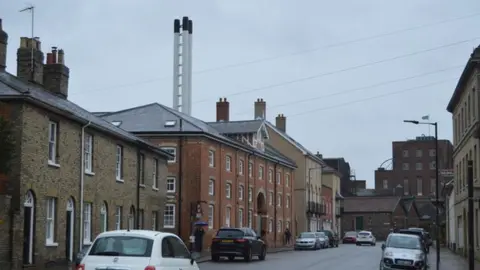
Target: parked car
x=137, y=249
x=350, y=237
x=307, y=240
x=366, y=238
x=332, y=237
x=403, y=251
x=419, y=233
x=323, y=239
x=237, y=242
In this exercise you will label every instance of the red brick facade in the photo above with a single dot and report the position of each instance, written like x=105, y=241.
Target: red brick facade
x=327, y=201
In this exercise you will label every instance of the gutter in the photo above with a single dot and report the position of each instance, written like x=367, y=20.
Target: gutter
x=82, y=182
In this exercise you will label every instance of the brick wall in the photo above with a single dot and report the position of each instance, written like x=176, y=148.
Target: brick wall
x=378, y=223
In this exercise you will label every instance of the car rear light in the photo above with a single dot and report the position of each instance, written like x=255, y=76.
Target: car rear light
x=81, y=267
x=150, y=267
x=240, y=240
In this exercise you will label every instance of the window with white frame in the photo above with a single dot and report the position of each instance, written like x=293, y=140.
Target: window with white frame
x=270, y=198
x=250, y=218
x=241, y=167
x=240, y=192
x=119, y=164
x=87, y=223
x=211, y=158
x=228, y=212
x=385, y=184
x=211, y=210
x=118, y=218
x=270, y=176
x=103, y=218
x=279, y=226
x=270, y=225
x=279, y=200
x=50, y=220
x=169, y=216
x=287, y=201
x=419, y=153
x=279, y=178
x=287, y=180
x=228, y=163
x=240, y=217
x=432, y=152
x=142, y=169
x=131, y=219
x=250, y=194
x=211, y=187
x=228, y=190
x=155, y=174
x=250, y=169
x=405, y=153
x=52, y=142
x=171, y=184
x=172, y=151
x=418, y=166
x=419, y=186
x=154, y=220
x=88, y=152
x=260, y=172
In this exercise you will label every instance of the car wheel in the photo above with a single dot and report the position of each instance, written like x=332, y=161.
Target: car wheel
x=357, y=244
x=231, y=258
x=248, y=255
x=215, y=258
x=263, y=254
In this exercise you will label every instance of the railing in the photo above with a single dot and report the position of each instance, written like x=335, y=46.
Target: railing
x=310, y=207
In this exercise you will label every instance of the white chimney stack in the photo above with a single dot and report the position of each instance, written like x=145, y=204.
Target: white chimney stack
x=182, y=65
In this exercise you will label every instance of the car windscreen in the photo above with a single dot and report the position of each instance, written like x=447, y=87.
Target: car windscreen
x=327, y=233
x=364, y=233
x=406, y=242
x=320, y=234
x=351, y=234
x=230, y=233
x=128, y=246
x=307, y=235
x=411, y=232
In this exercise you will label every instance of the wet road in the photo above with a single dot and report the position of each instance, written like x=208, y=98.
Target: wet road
x=341, y=258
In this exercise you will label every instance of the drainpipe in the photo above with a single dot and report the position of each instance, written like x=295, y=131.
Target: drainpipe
x=82, y=180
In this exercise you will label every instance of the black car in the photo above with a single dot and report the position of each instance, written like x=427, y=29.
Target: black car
x=237, y=242
x=332, y=237
x=420, y=233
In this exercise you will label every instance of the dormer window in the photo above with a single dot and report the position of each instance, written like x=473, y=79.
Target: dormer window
x=170, y=123
x=116, y=123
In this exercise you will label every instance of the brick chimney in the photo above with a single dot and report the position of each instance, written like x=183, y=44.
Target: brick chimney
x=281, y=122
x=260, y=108
x=56, y=74
x=223, y=110
x=3, y=48
x=28, y=48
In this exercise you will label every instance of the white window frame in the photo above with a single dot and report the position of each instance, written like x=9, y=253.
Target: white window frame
x=385, y=183
x=171, y=150
x=241, y=192
x=270, y=198
x=279, y=226
x=260, y=172
x=270, y=225
x=240, y=217
x=211, y=158
x=118, y=217
x=211, y=187
x=250, y=194
x=279, y=176
x=228, y=191
x=51, y=205
x=241, y=166
x=131, y=219
x=250, y=169
x=104, y=217
x=119, y=162
x=155, y=174
x=211, y=215
x=228, y=213
x=171, y=181
x=228, y=163
x=287, y=201
x=169, y=207
x=287, y=180
x=154, y=220
x=87, y=223
x=270, y=175
x=52, y=142
x=88, y=153
x=279, y=200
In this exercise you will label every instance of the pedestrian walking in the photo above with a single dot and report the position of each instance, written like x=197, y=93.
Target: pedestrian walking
x=288, y=235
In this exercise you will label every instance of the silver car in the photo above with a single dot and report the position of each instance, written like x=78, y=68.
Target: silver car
x=307, y=240
x=403, y=251
x=323, y=239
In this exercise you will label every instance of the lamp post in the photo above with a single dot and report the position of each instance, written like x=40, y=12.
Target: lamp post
x=437, y=214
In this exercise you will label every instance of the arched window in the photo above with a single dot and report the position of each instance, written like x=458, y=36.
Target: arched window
x=131, y=218
x=104, y=217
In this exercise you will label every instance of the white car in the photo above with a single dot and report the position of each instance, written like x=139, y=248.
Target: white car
x=366, y=238
x=137, y=249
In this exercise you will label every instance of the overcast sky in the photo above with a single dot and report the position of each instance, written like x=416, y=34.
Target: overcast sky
x=345, y=73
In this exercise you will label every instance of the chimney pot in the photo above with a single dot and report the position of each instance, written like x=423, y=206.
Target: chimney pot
x=56, y=74
x=25, y=71
x=223, y=110
x=260, y=109
x=3, y=47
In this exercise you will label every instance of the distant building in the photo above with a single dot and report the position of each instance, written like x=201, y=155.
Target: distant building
x=343, y=167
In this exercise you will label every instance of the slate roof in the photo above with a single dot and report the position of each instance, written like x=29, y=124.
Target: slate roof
x=12, y=88
x=152, y=118
x=234, y=127
x=370, y=204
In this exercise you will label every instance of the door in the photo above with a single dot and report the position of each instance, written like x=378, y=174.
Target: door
x=359, y=223
x=28, y=227
x=69, y=231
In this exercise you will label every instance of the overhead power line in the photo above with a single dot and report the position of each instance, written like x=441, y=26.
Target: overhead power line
x=271, y=58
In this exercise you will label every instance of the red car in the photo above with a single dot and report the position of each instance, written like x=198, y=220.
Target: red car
x=350, y=238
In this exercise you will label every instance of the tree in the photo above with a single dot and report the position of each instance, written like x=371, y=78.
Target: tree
x=7, y=145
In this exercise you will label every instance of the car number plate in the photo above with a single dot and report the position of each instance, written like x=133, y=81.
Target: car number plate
x=227, y=241
x=403, y=262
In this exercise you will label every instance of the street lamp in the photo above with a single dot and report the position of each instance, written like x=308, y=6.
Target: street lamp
x=437, y=216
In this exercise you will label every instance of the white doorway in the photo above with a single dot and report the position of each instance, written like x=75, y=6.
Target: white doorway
x=28, y=227
x=69, y=230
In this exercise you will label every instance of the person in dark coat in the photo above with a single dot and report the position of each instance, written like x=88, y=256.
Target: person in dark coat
x=288, y=235
x=199, y=232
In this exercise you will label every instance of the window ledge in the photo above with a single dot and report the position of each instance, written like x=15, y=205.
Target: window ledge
x=170, y=191
x=142, y=185
x=86, y=243
x=120, y=180
x=168, y=226
x=51, y=244
x=53, y=164
x=89, y=173
x=155, y=188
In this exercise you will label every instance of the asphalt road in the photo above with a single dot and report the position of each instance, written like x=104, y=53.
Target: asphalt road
x=341, y=258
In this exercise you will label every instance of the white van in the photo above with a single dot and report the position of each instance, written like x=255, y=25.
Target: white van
x=137, y=250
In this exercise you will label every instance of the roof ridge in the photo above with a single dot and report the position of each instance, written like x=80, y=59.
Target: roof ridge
x=129, y=109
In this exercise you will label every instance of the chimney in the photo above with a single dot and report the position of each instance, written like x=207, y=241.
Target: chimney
x=56, y=74
x=3, y=48
x=223, y=110
x=319, y=155
x=30, y=51
x=260, y=109
x=281, y=122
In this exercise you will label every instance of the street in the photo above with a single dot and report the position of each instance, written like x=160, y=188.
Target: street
x=343, y=257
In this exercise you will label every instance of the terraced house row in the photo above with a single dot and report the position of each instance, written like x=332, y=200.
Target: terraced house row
x=76, y=173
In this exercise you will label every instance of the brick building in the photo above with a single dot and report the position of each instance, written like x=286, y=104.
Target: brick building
x=413, y=167
x=231, y=176
x=73, y=175
x=343, y=167
x=327, y=202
